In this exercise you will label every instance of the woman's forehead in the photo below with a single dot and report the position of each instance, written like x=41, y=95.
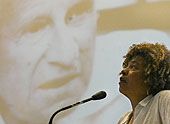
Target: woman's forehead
x=137, y=60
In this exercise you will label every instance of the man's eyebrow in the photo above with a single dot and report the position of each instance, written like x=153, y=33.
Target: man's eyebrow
x=36, y=23
x=43, y=19
x=31, y=12
x=30, y=18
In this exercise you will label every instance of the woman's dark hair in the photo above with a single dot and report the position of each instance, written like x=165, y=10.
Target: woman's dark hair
x=157, y=65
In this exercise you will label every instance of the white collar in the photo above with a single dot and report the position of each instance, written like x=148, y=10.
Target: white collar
x=145, y=101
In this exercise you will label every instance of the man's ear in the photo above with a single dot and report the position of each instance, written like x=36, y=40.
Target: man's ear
x=142, y=15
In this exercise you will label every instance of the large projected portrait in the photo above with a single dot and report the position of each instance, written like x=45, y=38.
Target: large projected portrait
x=46, y=57
x=57, y=52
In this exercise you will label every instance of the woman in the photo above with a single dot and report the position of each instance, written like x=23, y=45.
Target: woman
x=145, y=80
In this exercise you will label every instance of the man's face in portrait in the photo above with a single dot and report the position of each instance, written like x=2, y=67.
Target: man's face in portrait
x=46, y=56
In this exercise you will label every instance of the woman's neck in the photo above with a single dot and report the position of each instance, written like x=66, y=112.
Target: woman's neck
x=135, y=100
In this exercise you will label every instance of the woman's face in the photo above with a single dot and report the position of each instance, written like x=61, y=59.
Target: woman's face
x=46, y=56
x=132, y=79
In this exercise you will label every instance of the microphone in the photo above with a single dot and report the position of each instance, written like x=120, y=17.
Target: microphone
x=98, y=96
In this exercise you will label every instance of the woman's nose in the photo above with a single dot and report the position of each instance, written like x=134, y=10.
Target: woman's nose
x=124, y=72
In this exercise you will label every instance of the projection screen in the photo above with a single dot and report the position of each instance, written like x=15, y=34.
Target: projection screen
x=57, y=52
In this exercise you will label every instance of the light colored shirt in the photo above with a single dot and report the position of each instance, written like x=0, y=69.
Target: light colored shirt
x=151, y=110
x=1, y=120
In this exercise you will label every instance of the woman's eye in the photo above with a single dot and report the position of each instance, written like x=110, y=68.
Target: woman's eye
x=132, y=66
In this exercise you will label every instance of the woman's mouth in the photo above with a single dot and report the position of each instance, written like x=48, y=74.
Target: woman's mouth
x=122, y=80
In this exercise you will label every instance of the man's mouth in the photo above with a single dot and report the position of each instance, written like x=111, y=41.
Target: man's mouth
x=58, y=82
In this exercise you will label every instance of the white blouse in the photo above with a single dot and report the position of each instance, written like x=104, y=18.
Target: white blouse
x=151, y=110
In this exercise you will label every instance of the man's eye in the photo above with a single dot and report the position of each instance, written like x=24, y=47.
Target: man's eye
x=37, y=24
x=78, y=9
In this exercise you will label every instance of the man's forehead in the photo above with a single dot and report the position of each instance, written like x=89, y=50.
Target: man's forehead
x=51, y=3
x=46, y=7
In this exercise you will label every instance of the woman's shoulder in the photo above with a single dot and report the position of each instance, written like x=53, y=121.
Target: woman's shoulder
x=163, y=93
x=163, y=100
x=163, y=97
x=125, y=117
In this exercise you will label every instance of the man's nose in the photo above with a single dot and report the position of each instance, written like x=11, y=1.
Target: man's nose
x=62, y=50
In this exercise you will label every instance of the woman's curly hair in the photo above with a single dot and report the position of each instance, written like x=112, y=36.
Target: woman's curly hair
x=157, y=65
